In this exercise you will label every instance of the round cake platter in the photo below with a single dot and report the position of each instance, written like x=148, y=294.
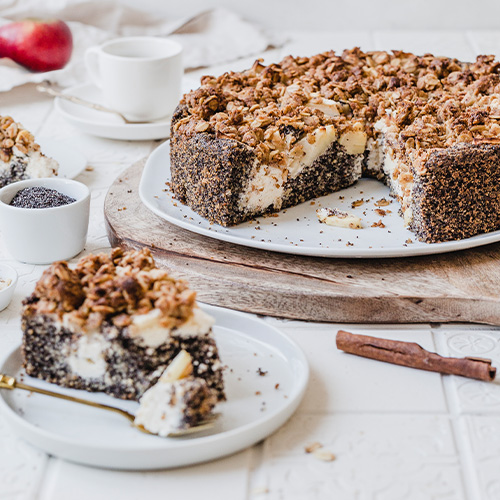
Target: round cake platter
x=297, y=230
x=265, y=381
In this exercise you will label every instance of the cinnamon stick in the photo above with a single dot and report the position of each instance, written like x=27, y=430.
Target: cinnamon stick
x=413, y=355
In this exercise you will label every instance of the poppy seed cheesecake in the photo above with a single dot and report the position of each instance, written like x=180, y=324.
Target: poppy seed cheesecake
x=113, y=324
x=257, y=141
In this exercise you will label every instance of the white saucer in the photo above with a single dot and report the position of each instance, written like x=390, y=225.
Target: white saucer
x=108, y=125
x=71, y=160
x=258, y=356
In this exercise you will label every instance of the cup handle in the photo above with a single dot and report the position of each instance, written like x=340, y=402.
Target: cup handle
x=92, y=64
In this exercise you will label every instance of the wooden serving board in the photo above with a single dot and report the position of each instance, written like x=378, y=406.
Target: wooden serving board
x=456, y=287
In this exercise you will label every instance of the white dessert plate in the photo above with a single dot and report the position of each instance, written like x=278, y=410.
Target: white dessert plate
x=297, y=230
x=71, y=160
x=108, y=125
x=258, y=356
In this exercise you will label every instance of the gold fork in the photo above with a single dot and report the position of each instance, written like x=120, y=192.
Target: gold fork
x=8, y=382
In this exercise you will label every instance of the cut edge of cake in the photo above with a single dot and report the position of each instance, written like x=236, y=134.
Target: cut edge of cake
x=222, y=179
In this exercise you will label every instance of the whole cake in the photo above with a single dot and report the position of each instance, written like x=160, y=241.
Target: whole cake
x=113, y=324
x=20, y=155
x=248, y=143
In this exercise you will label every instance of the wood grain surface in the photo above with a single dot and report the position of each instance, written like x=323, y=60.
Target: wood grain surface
x=456, y=287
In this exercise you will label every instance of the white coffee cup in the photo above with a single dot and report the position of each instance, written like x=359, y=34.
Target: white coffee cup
x=139, y=77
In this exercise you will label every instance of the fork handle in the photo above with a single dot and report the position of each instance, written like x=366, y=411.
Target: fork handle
x=8, y=382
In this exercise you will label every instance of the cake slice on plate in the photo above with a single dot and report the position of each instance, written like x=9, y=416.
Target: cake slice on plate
x=113, y=324
x=20, y=155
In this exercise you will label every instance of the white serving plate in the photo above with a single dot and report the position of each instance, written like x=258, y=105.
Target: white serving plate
x=255, y=407
x=297, y=230
x=71, y=160
x=108, y=125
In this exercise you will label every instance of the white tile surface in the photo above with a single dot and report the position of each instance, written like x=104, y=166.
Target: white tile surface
x=21, y=467
x=341, y=382
x=472, y=396
x=226, y=477
x=377, y=457
x=484, y=435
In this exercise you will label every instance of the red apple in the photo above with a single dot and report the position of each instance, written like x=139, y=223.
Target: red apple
x=36, y=44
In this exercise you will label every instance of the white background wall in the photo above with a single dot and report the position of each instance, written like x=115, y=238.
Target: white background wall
x=341, y=15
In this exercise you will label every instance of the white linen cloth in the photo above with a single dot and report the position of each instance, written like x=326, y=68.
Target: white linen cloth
x=208, y=38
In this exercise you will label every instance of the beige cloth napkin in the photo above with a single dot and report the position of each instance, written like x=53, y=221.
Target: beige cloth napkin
x=208, y=38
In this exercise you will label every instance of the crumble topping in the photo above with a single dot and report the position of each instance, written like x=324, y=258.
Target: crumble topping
x=421, y=103
x=111, y=288
x=13, y=136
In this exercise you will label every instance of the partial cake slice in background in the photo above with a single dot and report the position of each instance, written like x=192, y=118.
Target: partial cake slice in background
x=113, y=324
x=20, y=156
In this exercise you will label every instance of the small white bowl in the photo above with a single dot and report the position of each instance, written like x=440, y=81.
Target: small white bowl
x=44, y=235
x=7, y=273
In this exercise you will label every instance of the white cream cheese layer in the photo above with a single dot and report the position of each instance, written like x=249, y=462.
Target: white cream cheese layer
x=162, y=407
x=40, y=166
x=375, y=158
x=37, y=165
x=324, y=137
x=389, y=166
x=354, y=140
x=265, y=188
x=148, y=331
x=86, y=357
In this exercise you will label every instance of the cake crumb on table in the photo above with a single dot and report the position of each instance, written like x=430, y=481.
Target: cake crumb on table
x=324, y=455
x=316, y=445
x=317, y=450
x=260, y=490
